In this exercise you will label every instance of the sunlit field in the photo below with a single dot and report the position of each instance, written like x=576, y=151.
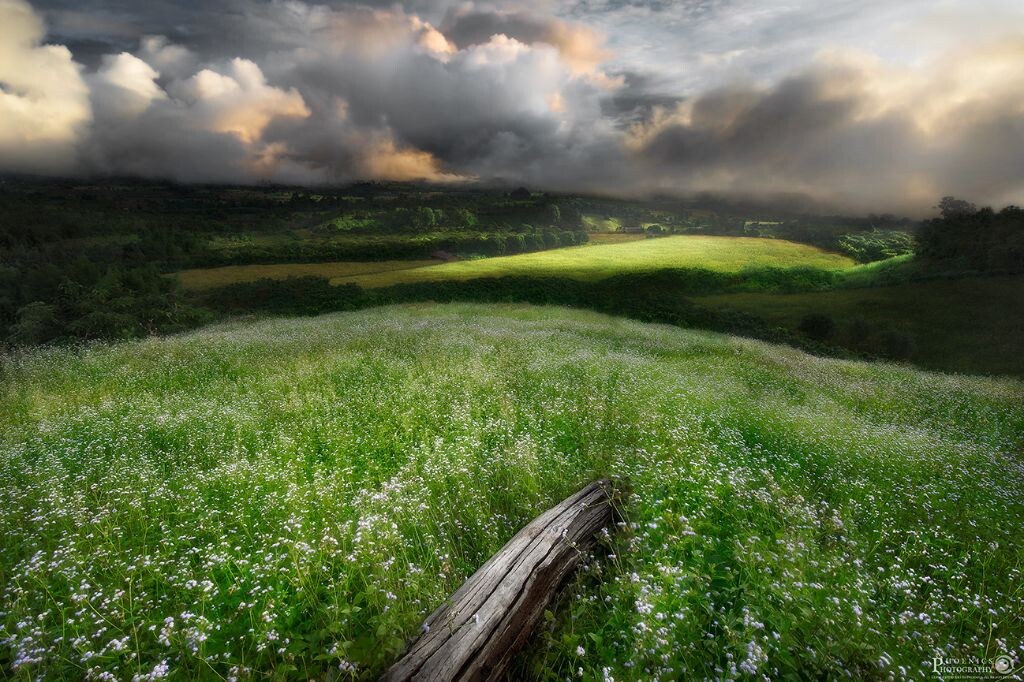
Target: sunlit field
x=595, y=261
x=209, y=278
x=294, y=496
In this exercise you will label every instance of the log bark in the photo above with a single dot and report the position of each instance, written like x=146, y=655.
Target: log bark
x=478, y=631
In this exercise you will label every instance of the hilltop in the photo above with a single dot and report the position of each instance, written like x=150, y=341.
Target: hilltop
x=295, y=495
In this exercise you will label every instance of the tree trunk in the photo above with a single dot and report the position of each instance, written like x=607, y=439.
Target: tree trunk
x=475, y=634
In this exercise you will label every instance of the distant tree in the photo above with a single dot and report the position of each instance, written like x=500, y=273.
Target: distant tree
x=951, y=207
x=520, y=194
x=463, y=217
x=555, y=214
x=424, y=218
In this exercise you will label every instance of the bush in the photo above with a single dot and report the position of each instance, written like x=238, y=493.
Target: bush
x=897, y=344
x=785, y=280
x=37, y=323
x=817, y=326
x=867, y=247
x=858, y=331
x=292, y=296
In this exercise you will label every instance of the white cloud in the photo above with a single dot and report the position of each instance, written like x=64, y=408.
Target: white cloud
x=123, y=87
x=239, y=102
x=44, y=102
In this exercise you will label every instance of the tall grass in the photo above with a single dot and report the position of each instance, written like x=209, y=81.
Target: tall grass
x=294, y=496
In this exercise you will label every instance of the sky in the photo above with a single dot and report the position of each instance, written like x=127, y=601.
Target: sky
x=858, y=105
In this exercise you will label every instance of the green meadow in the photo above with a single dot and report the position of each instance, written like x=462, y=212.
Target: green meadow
x=290, y=498
x=597, y=261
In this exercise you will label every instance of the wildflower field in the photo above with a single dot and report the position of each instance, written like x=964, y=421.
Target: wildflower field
x=290, y=498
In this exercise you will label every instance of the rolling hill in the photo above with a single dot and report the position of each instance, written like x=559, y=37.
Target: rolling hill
x=609, y=255
x=596, y=261
x=294, y=496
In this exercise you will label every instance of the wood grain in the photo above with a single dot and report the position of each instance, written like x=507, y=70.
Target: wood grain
x=477, y=632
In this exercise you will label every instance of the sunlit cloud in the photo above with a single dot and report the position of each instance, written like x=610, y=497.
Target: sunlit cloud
x=44, y=102
x=239, y=101
x=859, y=105
x=387, y=161
x=852, y=129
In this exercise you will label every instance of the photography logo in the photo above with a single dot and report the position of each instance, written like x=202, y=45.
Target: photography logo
x=1003, y=665
x=1000, y=667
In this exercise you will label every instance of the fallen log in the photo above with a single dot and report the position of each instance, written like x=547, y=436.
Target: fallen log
x=477, y=632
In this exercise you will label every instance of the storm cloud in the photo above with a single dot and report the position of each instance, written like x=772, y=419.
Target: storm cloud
x=852, y=133
x=558, y=95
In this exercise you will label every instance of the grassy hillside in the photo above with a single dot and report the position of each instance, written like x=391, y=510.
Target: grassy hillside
x=199, y=279
x=595, y=261
x=296, y=495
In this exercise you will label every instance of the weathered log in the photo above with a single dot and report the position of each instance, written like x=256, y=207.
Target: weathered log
x=477, y=632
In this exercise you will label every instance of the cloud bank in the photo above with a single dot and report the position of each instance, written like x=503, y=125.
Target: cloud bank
x=288, y=91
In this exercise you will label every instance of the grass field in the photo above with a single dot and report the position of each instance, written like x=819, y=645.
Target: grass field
x=966, y=325
x=294, y=496
x=209, y=278
x=614, y=237
x=595, y=261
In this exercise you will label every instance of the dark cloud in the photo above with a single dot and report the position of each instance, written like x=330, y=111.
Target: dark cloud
x=475, y=28
x=826, y=133
x=226, y=28
x=285, y=90
x=640, y=96
x=579, y=45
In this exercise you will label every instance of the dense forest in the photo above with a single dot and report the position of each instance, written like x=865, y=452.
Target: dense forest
x=968, y=238
x=81, y=262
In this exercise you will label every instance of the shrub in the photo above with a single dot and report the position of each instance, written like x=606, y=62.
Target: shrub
x=37, y=323
x=867, y=247
x=817, y=326
x=858, y=331
x=897, y=344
